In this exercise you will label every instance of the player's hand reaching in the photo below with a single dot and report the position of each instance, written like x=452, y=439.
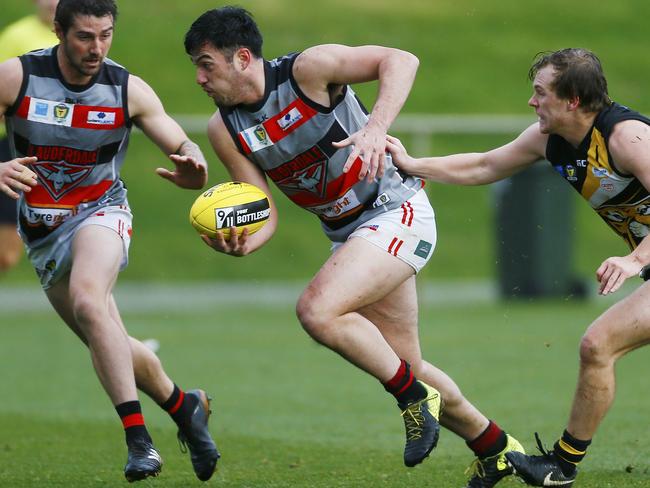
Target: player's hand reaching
x=398, y=153
x=189, y=173
x=16, y=176
x=369, y=146
x=614, y=271
x=237, y=245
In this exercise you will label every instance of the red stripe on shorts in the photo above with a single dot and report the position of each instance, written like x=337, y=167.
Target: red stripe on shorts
x=397, y=248
x=411, y=214
x=392, y=243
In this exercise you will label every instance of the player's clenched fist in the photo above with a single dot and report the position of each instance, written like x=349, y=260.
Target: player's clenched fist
x=16, y=176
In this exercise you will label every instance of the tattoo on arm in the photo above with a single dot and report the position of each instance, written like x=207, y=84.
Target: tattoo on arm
x=191, y=149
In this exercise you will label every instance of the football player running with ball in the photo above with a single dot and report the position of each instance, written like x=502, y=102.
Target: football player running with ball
x=296, y=120
x=69, y=111
x=602, y=149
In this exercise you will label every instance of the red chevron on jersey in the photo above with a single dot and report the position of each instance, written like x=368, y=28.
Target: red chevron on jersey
x=61, y=177
x=334, y=189
x=310, y=179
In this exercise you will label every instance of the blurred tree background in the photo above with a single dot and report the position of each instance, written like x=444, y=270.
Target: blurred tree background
x=474, y=58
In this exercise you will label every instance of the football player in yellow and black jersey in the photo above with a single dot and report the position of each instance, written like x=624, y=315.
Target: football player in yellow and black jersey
x=602, y=149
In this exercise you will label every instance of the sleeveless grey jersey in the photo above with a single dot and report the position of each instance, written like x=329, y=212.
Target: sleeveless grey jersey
x=79, y=135
x=290, y=138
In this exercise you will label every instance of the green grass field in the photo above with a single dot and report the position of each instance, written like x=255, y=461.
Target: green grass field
x=289, y=413
x=474, y=56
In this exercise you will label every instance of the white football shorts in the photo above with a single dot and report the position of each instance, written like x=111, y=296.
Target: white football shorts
x=54, y=260
x=407, y=232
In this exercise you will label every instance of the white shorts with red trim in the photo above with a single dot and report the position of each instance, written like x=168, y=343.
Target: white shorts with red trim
x=407, y=232
x=54, y=260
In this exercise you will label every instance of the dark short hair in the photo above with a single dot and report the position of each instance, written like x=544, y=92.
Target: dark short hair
x=227, y=29
x=66, y=10
x=578, y=73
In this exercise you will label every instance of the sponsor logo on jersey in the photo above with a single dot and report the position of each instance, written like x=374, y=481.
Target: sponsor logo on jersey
x=61, y=112
x=338, y=207
x=101, y=118
x=260, y=133
x=49, y=112
x=62, y=153
x=256, y=137
x=382, y=199
x=423, y=249
x=50, y=217
x=600, y=172
x=571, y=173
x=70, y=114
x=40, y=109
x=289, y=118
x=607, y=185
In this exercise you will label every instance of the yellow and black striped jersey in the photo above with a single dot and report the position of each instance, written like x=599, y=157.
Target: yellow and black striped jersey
x=621, y=200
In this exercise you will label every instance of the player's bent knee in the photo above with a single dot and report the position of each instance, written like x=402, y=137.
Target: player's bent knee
x=307, y=317
x=87, y=310
x=313, y=320
x=594, y=350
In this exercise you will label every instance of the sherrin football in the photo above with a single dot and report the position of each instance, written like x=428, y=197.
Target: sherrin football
x=231, y=204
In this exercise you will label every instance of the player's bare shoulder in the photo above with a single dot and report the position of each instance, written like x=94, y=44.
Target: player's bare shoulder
x=141, y=96
x=315, y=68
x=630, y=132
x=629, y=145
x=308, y=61
x=11, y=78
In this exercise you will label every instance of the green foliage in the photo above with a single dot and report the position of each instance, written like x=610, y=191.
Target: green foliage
x=474, y=57
x=289, y=413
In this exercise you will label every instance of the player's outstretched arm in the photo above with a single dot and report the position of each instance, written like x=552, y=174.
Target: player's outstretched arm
x=148, y=113
x=473, y=168
x=629, y=145
x=191, y=169
x=322, y=70
x=240, y=169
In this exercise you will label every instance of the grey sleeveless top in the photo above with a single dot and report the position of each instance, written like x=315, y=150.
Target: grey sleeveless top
x=79, y=135
x=290, y=138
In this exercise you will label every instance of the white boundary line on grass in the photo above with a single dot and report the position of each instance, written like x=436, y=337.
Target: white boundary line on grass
x=206, y=296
